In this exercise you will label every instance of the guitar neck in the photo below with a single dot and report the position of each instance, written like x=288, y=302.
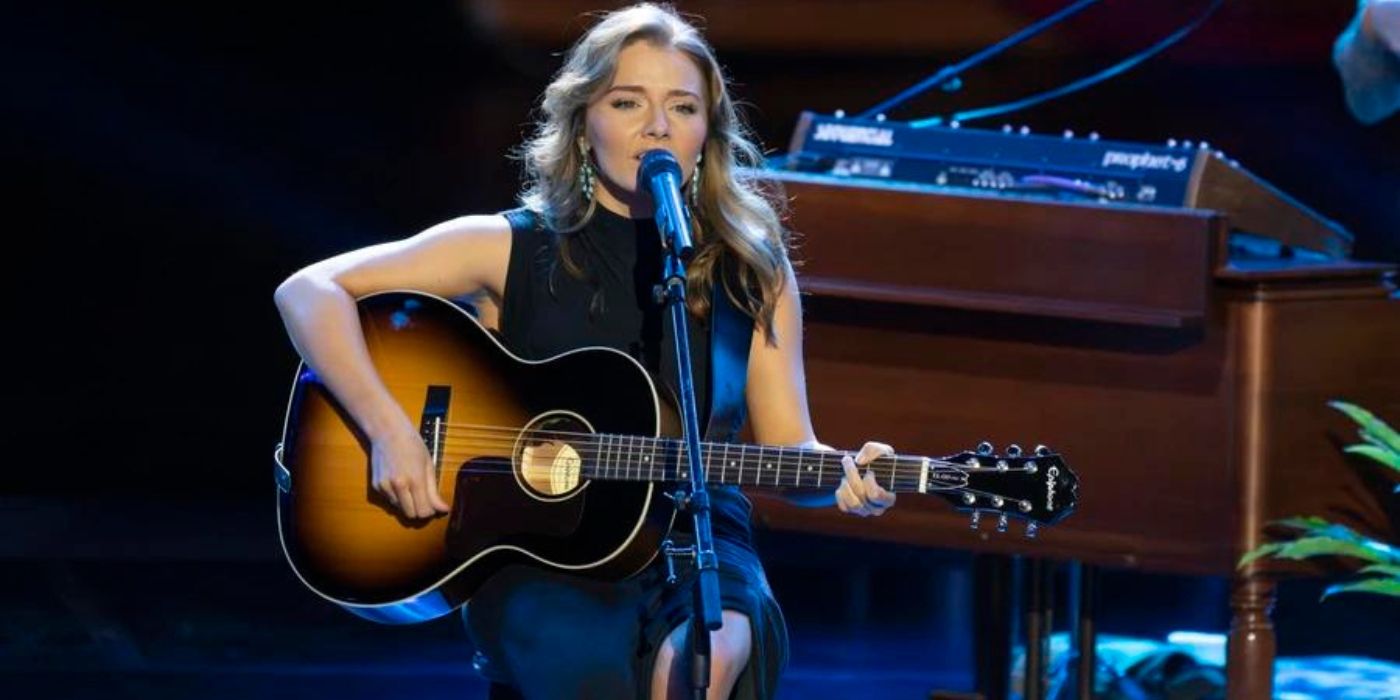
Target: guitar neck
x=635, y=458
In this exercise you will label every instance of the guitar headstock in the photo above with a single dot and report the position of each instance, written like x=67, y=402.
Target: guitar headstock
x=1038, y=488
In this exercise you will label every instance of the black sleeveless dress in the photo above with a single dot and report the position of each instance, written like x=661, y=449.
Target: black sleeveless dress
x=554, y=635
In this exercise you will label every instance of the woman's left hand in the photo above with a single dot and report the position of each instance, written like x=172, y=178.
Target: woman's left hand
x=863, y=496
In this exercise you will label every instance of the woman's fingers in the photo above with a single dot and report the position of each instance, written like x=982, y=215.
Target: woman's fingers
x=406, y=500
x=876, y=496
x=434, y=495
x=863, y=496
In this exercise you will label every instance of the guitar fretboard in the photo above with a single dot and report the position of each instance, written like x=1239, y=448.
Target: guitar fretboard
x=636, y=458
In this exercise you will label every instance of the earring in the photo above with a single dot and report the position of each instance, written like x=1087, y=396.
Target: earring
x=585, y=178
x=695, y=180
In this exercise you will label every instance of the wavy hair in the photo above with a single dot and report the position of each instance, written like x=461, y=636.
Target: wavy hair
x=739, y=238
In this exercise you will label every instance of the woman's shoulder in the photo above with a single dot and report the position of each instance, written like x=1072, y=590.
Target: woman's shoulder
x=522, y=220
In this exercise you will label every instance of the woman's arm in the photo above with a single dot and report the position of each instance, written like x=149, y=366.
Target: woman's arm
x=778, y=414
x=317, y=304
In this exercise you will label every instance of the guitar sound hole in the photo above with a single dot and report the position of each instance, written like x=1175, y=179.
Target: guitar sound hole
x=549, y=457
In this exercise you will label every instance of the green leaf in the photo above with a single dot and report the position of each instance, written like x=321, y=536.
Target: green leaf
x=1307, y=523
x=1384, y=434
x=1368, y=437
x=1307, y=547
x=1383, y=570
x=1380, y=454
x=1378, y=586
x=1265, y=550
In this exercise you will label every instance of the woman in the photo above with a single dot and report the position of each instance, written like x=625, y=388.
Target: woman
x=574, y=267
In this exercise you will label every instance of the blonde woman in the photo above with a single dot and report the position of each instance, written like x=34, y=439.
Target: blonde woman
x=572, y=267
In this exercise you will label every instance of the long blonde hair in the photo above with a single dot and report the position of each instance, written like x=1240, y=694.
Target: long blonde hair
x=737, y=229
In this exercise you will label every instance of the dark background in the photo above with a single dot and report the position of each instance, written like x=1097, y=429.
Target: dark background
x=169, y=163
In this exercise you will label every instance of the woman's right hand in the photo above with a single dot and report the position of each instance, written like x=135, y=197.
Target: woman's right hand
x=403, y=471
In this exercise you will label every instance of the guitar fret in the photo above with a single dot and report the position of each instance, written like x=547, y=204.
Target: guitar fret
x=681, y=455
x=629, y=458
x=650, y=458
x=777, y=467
x=705, y=448
x=600, y=455
x=798, y=480
x=685, y=459
x=724, y=465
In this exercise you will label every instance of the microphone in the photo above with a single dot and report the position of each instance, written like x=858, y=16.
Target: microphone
x=660, y=175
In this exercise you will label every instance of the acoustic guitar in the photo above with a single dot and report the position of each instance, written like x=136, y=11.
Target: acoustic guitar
x=565, y=463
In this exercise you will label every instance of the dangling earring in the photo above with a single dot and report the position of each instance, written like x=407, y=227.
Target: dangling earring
x=585, y=177
x=695, y=180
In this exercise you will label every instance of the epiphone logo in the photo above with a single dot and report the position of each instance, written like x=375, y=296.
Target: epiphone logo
x=1050, y=487
x=851, y=134
x=949, y=478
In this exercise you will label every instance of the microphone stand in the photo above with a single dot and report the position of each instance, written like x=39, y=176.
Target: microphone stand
x=673, y=223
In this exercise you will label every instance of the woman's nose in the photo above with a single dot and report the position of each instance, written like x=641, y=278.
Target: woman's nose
x=658, y=126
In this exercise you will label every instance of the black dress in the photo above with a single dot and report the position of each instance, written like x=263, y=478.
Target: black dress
x=553, y=635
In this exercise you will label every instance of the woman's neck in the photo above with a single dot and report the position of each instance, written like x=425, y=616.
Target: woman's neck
x=633, y=205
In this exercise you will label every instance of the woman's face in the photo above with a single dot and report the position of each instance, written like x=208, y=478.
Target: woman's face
x=656, y=100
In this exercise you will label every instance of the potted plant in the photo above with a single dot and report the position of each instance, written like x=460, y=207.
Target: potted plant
x=1313, y=536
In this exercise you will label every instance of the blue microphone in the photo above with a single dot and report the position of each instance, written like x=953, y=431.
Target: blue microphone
x=660, y=175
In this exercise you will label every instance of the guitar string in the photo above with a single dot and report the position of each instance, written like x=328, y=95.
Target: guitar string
x=510, y=434
x=481, y=427
x=500, y=465
x=621, y=452
x=951, y=492
x=624, y=458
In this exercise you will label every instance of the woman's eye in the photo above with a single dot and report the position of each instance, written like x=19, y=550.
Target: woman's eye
x=686, y=108
x=623, y=103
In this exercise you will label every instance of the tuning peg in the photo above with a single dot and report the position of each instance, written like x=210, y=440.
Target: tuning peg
x=1013, y=450
x=1032, y=530
x=976, y=519
x=1042, y=451
x=985, y=448
x=1001, y=523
